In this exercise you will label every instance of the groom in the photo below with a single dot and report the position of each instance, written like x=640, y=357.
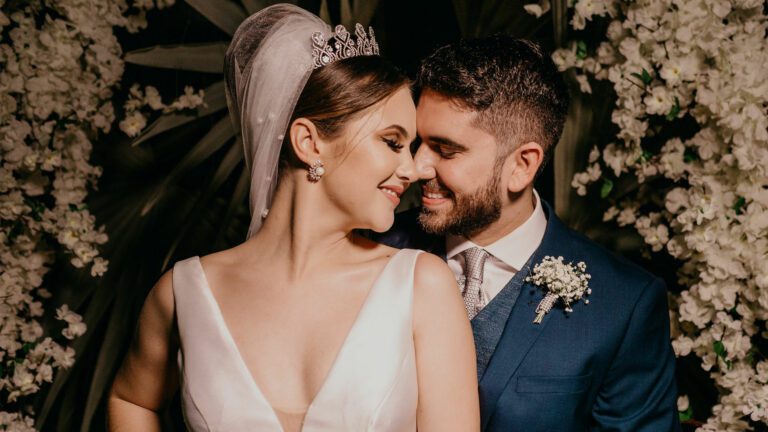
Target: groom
x=489, y=114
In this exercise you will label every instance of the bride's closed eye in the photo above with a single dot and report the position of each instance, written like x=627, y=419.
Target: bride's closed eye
x=393, y=144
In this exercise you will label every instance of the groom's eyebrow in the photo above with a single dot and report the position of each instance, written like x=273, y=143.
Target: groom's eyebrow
x=445, y=142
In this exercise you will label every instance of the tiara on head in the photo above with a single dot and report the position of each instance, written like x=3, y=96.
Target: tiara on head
x=344, y=46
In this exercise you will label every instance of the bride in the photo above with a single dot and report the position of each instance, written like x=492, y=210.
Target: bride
x=306, y=325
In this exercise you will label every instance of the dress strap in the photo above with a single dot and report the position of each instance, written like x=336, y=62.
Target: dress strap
x=214, y=379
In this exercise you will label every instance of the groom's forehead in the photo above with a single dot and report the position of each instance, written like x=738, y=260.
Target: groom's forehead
x=445, y=117
x=435, y=105
x=442, y=121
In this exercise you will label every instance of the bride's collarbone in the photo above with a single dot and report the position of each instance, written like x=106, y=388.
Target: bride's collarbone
x=230, y=274
x=254, y=299
x=289, y=333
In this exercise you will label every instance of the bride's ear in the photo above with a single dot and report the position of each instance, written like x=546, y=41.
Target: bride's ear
x=305, y=140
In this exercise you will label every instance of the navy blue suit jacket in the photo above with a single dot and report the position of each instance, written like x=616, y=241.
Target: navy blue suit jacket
x=606, y=366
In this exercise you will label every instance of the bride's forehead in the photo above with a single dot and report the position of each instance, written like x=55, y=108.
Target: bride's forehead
x=397, y=109
x=400, y=109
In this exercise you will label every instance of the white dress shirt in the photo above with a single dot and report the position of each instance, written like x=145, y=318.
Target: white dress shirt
x=507, y=254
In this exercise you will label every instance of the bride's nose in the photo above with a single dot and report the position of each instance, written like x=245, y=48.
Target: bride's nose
x=406, y=171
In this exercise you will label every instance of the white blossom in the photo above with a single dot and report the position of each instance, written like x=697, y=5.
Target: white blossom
x=538, y=9
x=59, y=64
x=133, y=124
x=705, y=59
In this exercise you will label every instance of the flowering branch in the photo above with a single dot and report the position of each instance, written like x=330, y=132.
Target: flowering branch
x=697, y=128
x=59, y=63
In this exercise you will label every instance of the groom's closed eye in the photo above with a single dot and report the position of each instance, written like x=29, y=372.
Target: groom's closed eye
x=445, y=147
x=446, y=153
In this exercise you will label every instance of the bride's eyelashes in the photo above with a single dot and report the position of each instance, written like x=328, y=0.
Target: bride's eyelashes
x=393, y=144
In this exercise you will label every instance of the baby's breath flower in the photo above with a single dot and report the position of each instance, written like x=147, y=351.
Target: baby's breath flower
x=566, y=282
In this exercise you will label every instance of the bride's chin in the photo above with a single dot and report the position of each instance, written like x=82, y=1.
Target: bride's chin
x=382, y=224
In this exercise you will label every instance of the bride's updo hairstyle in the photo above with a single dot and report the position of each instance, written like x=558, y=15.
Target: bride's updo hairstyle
x=336, y=93
x=278, y=68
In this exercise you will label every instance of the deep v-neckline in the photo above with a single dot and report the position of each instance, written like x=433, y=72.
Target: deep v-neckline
x=240, y=361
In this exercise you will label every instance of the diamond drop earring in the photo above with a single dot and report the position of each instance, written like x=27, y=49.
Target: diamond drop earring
x=316, y=171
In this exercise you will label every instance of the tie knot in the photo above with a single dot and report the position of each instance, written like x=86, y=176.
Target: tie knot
x=474, y=260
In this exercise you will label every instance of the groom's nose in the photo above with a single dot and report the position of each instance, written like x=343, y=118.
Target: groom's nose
x=425, y=160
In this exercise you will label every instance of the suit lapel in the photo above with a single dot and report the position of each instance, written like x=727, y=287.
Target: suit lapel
x=519, y=336
x=520, y=333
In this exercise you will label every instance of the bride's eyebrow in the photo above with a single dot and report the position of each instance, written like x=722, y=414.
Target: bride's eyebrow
x=399, y=129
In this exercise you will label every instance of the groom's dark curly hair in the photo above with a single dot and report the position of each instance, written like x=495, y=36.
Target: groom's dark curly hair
x=511, y=83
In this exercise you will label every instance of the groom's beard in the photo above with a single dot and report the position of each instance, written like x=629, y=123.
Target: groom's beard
x=469, y=213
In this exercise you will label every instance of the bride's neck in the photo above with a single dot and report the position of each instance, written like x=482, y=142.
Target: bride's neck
x=303, y=228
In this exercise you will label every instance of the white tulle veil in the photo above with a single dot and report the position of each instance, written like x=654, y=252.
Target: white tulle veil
x=266, y=67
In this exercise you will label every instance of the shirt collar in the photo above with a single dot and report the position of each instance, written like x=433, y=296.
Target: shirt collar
x=515, y=248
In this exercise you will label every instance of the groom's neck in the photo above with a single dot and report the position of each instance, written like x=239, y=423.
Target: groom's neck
x=514, y=212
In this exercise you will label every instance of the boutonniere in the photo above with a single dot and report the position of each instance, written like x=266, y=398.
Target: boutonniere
x=563, y=281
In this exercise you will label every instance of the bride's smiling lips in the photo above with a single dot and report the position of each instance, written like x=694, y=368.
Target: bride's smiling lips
x=392, y=192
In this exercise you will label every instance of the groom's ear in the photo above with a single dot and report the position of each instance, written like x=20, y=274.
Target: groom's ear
x=305, y=140
x=525, y=162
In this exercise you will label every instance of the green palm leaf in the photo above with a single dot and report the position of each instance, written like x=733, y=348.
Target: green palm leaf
x=482, y=18
x=573, y=147
x=219, y=135
x=226, y=167
x=253, y=6
x=100, y=304
x=357, y=11
x=215, y=101
x=559, y=21
x=207, y=57
x=120, y=325
x=222, y=13
x=352, y=12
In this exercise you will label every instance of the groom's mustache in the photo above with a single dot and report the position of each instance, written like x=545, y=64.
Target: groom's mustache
x=433, y=186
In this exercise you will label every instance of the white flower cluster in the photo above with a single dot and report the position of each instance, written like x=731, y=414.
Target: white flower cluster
x=135, y=120
x=59, y=63
x=698, y=66
x=566, y=281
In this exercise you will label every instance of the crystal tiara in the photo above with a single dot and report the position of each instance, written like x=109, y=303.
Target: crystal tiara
x=343, y=46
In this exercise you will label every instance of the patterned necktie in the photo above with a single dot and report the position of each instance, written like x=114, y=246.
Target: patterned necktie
x=474, y=261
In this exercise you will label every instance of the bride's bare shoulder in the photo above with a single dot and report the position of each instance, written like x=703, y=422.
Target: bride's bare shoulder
x=223, y=259
x=432, y=271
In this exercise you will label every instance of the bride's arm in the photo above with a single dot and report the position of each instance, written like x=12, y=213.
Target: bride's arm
x=445, y=352
x=148, y=376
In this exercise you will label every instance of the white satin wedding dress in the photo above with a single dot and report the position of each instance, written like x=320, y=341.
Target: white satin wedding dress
x=370, y=387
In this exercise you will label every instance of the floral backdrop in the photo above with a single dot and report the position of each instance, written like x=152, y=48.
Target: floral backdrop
x=681, y=159
x=59, y=63
x=688, y=169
